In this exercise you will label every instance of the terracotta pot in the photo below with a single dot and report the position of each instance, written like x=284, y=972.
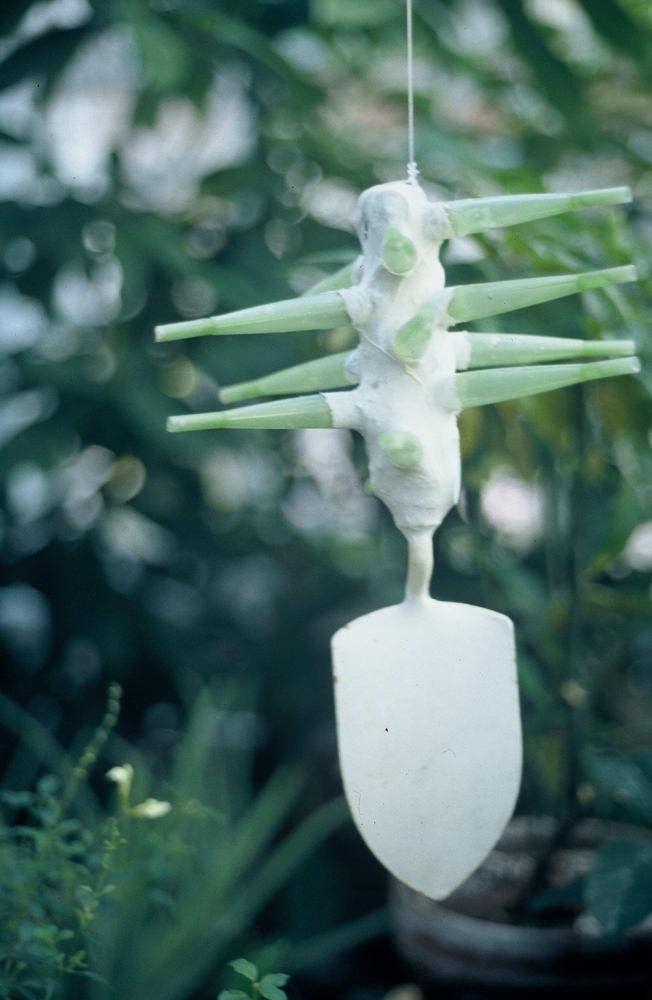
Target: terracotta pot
x=471, y=947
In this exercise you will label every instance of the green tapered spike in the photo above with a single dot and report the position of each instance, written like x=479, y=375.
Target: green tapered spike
x=402, y=448
x=341, y=279
x=493, y=349
x=497, y=385
x=475, y=301
x=412, y=339
x=474, y=215
x=313, y=376
x=281, y=414
x=399, y=252
x=314, y=312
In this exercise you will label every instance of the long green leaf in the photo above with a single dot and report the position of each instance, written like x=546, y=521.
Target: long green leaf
x=325, y=947
x=49, y=752
x=618, y=889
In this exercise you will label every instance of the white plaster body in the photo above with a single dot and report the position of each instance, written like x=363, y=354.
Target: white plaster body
x=426, y=693
x=394, y=395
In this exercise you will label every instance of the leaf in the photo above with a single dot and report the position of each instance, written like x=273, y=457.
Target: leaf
x=17, y=800
x=274, y=979
x=96, y=977
x=618, y=889
x=552, y=74
x=330, y=944
x=164, y=54
x=245, y=968
x=46, y=749
x=48, y=785
x=281, y=863
x=557, y=897
x=532, y=682
x=233, y=995
x=234, y=32
x=612, y=22
x=42, y=56
x=272, y=992
x=68, y=827
x=623, y=780
x=361, y=14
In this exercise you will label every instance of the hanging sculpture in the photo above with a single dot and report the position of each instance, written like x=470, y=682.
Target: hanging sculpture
x=426, y=692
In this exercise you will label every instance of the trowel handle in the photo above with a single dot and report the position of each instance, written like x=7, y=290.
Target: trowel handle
x=421, y=562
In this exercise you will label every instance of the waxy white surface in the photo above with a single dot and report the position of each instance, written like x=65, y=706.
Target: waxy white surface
x=429, y=736
x=425, y=692
x=394, y=395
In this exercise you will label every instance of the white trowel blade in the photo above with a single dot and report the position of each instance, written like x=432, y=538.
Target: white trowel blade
x=429, y=736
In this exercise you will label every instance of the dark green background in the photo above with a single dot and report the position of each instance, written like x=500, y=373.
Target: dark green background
x=511, y=97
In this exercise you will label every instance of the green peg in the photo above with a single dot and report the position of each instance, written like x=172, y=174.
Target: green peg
x=312, y=312
x=281, y=414
x=474, y=215
x=497, y=385
x=340, y=279
x=475, y=301
x=496, y=349
x=312, y=376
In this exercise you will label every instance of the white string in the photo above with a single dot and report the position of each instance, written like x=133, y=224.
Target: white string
x=412, y=170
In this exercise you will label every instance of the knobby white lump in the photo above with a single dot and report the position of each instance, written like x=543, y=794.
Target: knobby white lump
x=405, y=405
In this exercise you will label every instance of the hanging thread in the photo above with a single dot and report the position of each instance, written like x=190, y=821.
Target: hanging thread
x=412, y=170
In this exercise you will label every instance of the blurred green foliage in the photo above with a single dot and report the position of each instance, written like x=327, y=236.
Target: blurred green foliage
x=149, y=900
x=168, y=159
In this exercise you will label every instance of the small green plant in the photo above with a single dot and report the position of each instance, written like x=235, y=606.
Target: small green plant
x=268, y=986
x=146, y=900
x=616, y=892
x=54, y=875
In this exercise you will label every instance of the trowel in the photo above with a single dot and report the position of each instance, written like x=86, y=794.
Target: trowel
x=426, y=692
x=429, y=735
